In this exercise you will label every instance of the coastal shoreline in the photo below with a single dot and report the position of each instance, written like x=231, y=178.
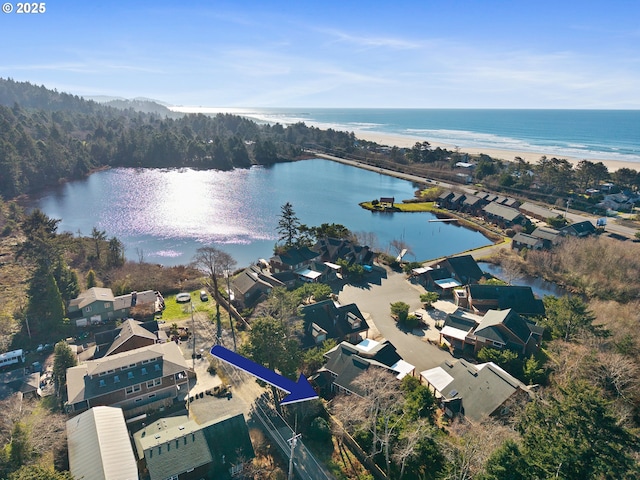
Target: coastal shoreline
x=502, y=154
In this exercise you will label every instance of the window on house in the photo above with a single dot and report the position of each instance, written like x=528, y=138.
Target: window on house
x=156, y=367
x=116, y=379
x=107, y=305
x=102, y=383
x=138, y=400
x=150, y=384
x=152, y=395
x=130, y=375
x=87, y=309
x=144, y=371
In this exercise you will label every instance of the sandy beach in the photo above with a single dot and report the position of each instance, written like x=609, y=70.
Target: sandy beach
x=509, y=155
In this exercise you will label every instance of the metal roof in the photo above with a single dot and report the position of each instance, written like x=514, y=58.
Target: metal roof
x=99, y=446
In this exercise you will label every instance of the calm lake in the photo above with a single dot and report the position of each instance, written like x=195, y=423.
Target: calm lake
x=166, y=215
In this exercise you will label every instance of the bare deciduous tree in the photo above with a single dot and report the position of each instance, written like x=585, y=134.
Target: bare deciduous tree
x=213, y=262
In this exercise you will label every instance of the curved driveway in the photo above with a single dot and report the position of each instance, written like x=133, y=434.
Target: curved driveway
x=375, y=299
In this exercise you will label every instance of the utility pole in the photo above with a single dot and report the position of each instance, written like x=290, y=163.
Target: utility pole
x=193, y=360
x=292, y=442
x=227, y=274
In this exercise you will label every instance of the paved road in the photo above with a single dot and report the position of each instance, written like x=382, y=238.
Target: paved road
x=375, y=299
x=612, y=226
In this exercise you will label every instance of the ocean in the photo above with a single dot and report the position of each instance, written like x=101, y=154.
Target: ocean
x=582, y=134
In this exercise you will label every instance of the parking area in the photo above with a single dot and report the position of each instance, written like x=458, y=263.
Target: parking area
x=374, y=300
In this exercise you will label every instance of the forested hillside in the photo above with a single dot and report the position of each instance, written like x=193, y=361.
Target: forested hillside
x=46, y=137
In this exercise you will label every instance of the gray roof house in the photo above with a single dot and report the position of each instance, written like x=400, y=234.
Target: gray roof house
x=99, y=446
x=549, y=236
x=178, y=447
x=137, y=381
x=346, y=361
x=579, y=229
x=482, y=298
x=469, y=333
x=131, y=334
x=328, y=319
x=293, y=259
x=252, y=284
x=522, y=240
x=505, y=216
x=474, y=391
x=536, y=211
x=97, y=305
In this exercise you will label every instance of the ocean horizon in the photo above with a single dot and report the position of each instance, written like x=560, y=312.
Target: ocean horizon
x=582, y=134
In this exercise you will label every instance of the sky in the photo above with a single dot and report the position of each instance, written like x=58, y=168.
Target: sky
x=347, y=53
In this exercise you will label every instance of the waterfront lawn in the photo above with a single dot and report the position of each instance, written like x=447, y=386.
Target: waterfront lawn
x=406, y=207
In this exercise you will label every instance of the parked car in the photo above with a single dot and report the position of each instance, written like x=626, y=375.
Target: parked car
x=183, y=297
x=203, y=296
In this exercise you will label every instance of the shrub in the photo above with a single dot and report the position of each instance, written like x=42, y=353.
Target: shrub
x=319, y=430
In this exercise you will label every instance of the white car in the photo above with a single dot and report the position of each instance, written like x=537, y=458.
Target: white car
x=183, y=297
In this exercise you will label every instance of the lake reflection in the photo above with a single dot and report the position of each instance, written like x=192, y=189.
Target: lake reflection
x=168, y=214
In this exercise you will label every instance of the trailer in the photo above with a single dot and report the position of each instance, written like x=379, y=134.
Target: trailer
x=12, y=357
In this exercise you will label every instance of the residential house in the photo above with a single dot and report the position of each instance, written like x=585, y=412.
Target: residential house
x=99, y=446
x=346, y=362
x=471, y=205
x=98, y=305
x=252, y=285
x=333, y=249
x=387, y=202
x=440, y=280
x=450, y=273
x=444, y=198
x=481, y=298
x=503, y=216
x=293, y=259
x=178, y=448
x=463, y=268
x=469, y=333
x=522, y=240
x=474, y=391
x=131, y=334
x=549, y=236
x=511, y=202
x=303, y=262
x=328, y=319
x=137, y=381
x=22, y=381
x=455, y=202
x=579, y=229
x=536, y=211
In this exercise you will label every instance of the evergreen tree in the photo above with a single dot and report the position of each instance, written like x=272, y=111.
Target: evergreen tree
x=288, y=226
x=115, y=253
x=575, y=435
x=64, y=358
x=91, y=279
x=45, y=309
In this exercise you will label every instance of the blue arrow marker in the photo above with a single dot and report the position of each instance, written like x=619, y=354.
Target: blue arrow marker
x=299, y=391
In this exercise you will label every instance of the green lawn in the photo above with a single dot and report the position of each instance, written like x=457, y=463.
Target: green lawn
x=408, y=207
x=177, y=311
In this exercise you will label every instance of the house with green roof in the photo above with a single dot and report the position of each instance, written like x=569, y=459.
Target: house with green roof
x=179, y=448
